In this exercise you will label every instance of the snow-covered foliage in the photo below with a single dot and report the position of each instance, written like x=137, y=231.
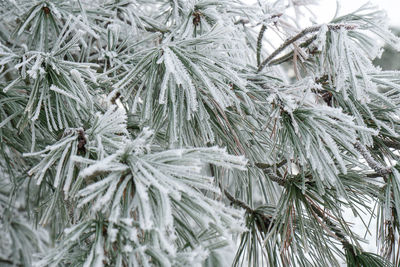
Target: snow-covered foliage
x=172, y=133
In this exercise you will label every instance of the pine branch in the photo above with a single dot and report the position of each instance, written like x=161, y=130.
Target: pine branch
x=135, y=191
x=266, y=165
x=339, y=235
x=152, y=28
x=372, y=163
x=392, y=144
x=331, y=225
x=259, y=43
x=238, y=202
x=275, y=178
x=299, y=36
x=267, y=219
x=9, y=262
x=289, y=55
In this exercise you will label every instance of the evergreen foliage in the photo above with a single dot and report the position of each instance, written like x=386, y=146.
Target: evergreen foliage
x=171, y=133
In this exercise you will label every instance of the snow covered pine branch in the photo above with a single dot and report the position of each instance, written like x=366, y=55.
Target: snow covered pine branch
x=173, y=133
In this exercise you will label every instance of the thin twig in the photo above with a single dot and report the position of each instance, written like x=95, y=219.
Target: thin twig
x=372, y=163
x=392, y=144
x=238, y=202
x=272, y=176
x=331, y=225
x=9, y=262
x=246, y=207
x=373, y=175
x=299, y=36
x=289, y=55
x=228, y=124
x=286, y=44
x=241, y=21
x=266, y=165
x=275, y=178
x=259, y=43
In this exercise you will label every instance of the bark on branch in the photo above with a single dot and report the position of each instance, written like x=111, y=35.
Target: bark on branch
x=267, y=219
x=372, y=163
x=298, y=36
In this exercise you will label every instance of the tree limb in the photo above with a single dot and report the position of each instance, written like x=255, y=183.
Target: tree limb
x=299, y=36
x=259, y=43
x=331, y=225
x=233, y=200
x=275, y=178
x=372, y=163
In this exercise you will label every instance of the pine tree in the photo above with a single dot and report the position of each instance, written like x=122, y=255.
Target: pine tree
x=172, y=133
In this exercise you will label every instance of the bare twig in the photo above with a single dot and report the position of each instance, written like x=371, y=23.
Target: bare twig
x=331, y=225
x=286, y=44
x=242, y=21
x=9, y=262
x=266, y=165
x=392, y=144
x=376, y=166
x=259, y=43
x=272, y=176
x=237, y=202
x=299, y=36
x=289, y=55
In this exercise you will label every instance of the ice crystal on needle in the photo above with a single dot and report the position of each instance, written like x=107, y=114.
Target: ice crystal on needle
x=174, y=133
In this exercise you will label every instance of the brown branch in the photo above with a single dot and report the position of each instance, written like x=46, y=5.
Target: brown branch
x=373, y=175
x=392, y=144
x=272, y=176
x=237, y=202
x=337, y=232
x=241, y=21
x=298, y=36
x=9, y=262
x=372, y=163
x=289, y=55
x=275, y=178
x=259, y=43
x=266, y=165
